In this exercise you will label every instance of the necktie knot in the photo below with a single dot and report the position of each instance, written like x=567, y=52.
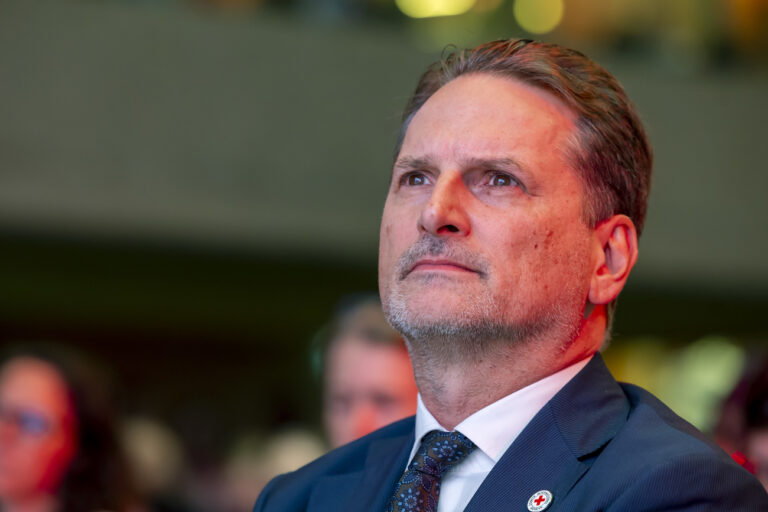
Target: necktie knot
x=419, y=488
x=440, y=451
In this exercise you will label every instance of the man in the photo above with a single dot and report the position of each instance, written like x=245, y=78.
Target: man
x=517, y=195
x=367, y=375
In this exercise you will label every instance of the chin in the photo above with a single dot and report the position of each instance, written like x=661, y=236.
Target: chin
x=432, y=302
x=435, y=306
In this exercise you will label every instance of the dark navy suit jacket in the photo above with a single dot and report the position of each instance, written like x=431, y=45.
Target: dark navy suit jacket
x=596, y=446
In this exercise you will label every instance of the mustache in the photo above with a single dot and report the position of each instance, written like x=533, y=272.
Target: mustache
x=434, y=247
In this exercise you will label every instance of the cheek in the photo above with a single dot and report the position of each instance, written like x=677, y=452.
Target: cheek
x=395, y=238
x=569, y=259
x=385, y=234
x=57, y=460
x=36, y=468
x=385, y=246
x=552, y=257
x=554, y=252
x=399, y=222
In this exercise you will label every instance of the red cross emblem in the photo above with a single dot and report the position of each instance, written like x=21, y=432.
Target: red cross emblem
x=540, y=501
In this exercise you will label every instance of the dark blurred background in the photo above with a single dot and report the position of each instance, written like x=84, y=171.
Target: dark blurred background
x=188, y=187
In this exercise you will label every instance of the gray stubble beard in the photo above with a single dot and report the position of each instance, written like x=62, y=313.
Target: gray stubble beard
x=482, y=329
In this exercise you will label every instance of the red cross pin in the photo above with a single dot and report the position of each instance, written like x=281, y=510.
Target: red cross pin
x=540, y=501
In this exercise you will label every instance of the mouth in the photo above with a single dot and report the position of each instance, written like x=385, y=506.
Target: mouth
x=440, y=265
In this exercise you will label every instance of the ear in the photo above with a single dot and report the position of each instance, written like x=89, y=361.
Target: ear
x=615, y=255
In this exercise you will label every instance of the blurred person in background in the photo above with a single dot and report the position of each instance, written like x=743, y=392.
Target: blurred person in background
x=367, y=375
x=256, y=458
x=157, y=459
x=743, y=426
x=58, y=447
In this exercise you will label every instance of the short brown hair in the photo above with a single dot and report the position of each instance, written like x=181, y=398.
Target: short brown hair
x=356, y=316
x=611, y=152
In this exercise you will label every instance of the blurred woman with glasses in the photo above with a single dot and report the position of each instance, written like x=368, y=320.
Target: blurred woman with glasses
x=58, y=448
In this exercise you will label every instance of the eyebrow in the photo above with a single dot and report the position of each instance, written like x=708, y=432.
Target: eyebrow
x=504, y=163
x=409, y=163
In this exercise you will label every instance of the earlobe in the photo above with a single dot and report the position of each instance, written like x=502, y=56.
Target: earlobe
x=616, y=251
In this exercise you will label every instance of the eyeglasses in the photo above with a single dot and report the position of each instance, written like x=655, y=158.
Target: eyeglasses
x=28, y=422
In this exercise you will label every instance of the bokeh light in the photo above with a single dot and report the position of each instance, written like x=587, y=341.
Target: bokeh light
x=538, y=16
x=433, y=8
x=487, y=5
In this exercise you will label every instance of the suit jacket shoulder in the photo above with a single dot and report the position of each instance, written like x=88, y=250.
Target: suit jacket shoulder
x=671, y=465
x=352, y=477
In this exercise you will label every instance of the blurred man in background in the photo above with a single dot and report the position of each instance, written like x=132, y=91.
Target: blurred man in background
x=367, y=383
x=367, y=376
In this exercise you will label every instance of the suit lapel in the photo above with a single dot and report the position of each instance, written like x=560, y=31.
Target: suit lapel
x=368, y=489
x=558, y=446
x=538, y=460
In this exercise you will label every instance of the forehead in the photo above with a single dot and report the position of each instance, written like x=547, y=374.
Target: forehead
x=352, y=346
x=31, y=383
x=364, y=359
x=490, y=114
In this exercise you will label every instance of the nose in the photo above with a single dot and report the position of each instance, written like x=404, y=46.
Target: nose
x=445, y=213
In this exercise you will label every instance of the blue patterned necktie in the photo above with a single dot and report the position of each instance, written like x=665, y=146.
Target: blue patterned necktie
x=419, y=487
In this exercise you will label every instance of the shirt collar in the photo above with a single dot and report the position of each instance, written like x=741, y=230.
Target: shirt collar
x=495, y=427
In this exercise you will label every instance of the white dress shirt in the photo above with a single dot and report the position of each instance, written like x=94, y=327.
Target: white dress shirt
x=493, y=429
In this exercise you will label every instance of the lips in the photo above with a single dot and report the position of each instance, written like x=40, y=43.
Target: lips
x=440, y=264
x=440, y=255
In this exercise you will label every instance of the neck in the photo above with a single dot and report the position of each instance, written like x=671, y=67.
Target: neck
x=454, y=389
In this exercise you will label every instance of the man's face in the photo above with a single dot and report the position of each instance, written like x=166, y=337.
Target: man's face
x=367, y=386
x=482, y=234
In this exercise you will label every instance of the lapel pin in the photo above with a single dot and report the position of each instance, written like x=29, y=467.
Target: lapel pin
x=540, y=501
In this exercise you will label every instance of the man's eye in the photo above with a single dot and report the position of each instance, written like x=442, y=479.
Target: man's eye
x=502, y=180
x=415, y=179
